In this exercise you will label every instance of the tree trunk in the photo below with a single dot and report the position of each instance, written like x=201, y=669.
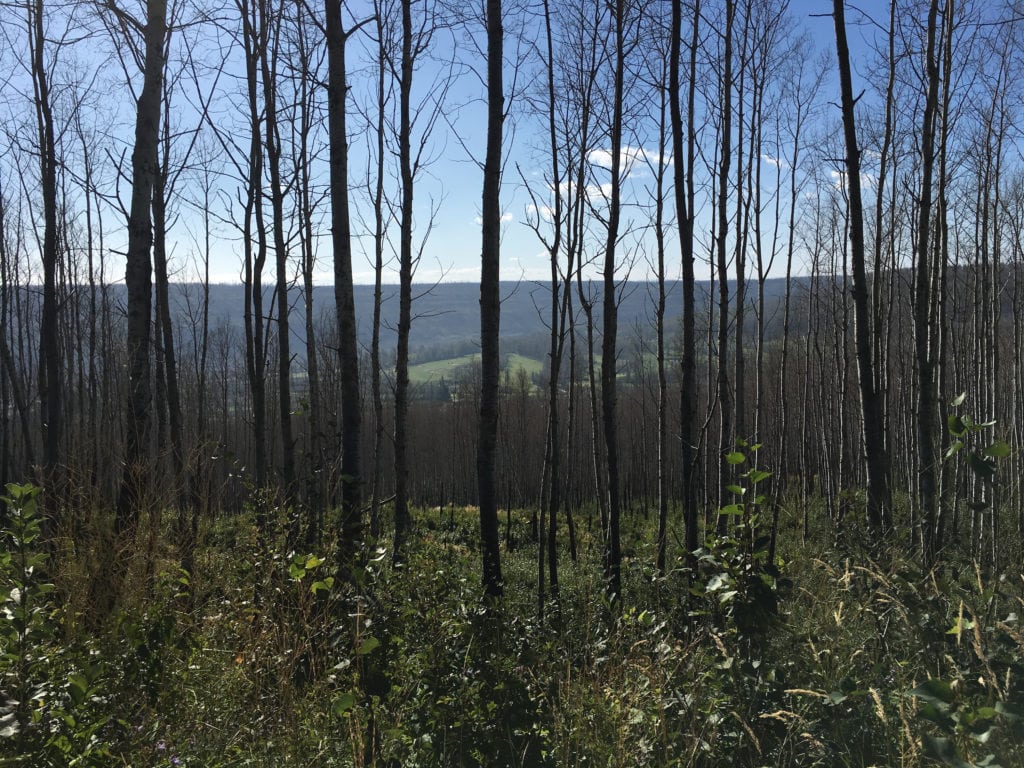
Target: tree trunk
x=348, y=351
x=924, y=329
x=268, y=33
x=684, y=203
x=879, y=496
x=725, y=437
x=490, y=308
x=138, y=273
x=403, y=520
x=613, y=550
x=50, y=395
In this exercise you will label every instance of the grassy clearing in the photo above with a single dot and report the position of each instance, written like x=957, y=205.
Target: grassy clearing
x=452, y=368
x=435, y=370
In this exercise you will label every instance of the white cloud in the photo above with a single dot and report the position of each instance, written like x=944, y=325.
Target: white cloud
x=600, y=157
x=546, y=212
x=867, y=180
x=632, y=160
x=593, y=192
x=776, y=161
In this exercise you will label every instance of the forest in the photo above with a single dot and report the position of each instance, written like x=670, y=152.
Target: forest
x=714, y=460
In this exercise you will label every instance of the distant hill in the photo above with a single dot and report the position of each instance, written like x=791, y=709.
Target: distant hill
x=446, y=320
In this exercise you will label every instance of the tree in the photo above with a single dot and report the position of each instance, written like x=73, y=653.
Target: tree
x=609, y=349
x=254, y=256
x=490, y=306
x=659, y=71
x=684, y=195
x=11, y=378
x=879, y=496
x=304, y=71
x=416, y=38
x=138, y=272
x=50, y=395
x=403, y=521
x=558, y=308
x=266, y=37
x=721, y=237
x=925, y=346
x=348, y=353
x=379, y=236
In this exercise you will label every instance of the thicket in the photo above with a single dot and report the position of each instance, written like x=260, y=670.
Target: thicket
x=826, y=655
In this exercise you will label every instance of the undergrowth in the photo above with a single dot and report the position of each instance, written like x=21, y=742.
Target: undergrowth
x=261, y=657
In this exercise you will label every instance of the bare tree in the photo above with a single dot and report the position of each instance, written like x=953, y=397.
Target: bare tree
x=138, y=273
x=624, y=41
x=348, y=353
x=417, y=31
x=490, y=305
x=50, y=395
x=721, y=237
x=684, y=194
x=879, y=496
x=925, y=346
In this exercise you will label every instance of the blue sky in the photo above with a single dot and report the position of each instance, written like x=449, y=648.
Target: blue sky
x=452, y=250
x=447, y=190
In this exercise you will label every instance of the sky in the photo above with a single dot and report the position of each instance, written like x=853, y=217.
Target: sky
x=452, y=251
x=448, y=188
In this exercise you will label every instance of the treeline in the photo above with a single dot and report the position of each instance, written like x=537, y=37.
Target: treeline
x=667, y=138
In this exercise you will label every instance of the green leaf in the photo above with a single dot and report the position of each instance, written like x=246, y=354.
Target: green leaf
x=312, y=562
x=78, y=686
x=22, y=493
x=325, y=584
x=731, y=509
x=955, y=446
x=757, y=475
x=958, y=400
x=984, y=713
x=959, y=626
x=296, y=571
x=736, y=489
x=956, y=425
x=935, y=690
x=735, y=458
x=343, y=703
x=936, y=714
x=998, y=450
x=368, y=645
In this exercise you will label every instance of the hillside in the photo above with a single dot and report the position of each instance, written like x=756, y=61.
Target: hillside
x=446, y=317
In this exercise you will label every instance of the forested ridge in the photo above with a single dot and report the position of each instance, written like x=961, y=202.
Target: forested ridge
x=730, y=473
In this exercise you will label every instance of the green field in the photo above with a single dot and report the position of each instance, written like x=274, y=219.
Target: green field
x=452, y=367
